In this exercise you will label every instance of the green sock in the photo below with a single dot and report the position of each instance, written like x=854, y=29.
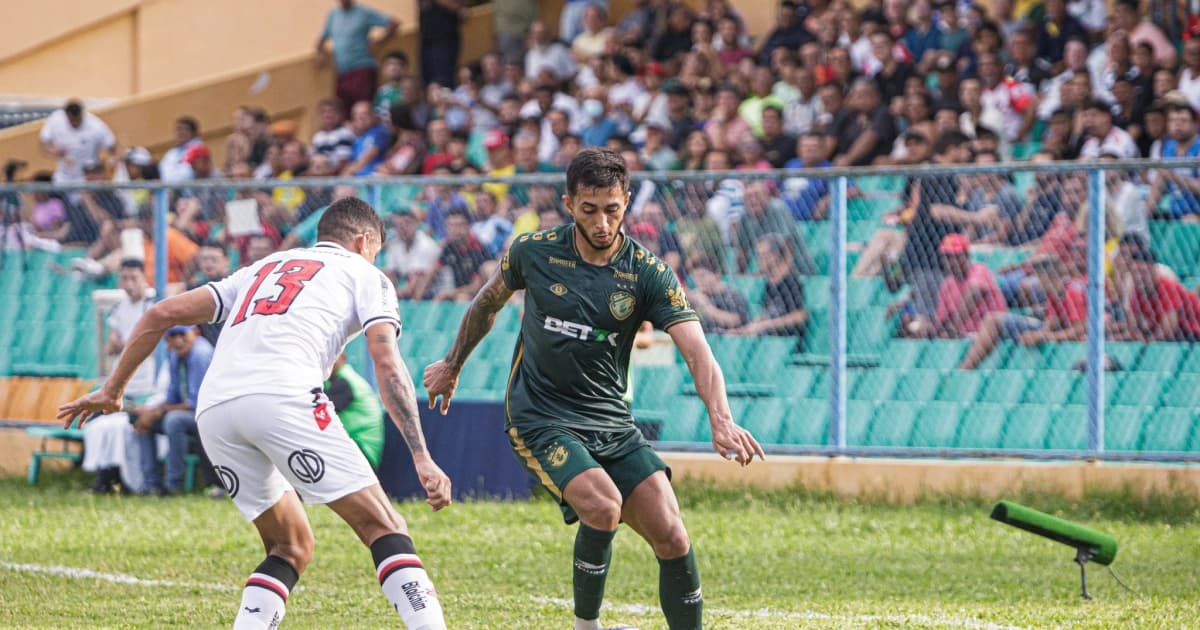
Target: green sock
x=593, y=549
x=679, y=592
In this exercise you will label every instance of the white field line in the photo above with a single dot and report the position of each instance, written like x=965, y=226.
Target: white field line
x=631, y=609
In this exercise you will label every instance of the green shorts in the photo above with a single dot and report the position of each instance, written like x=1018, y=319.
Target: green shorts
x=555, y=455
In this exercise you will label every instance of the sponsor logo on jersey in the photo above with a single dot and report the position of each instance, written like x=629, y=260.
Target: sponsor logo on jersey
x=583, y=332
x=415, y=595
x=228, y=479
x=561, y=261
x=558, y=455
x=307, y=465
x=620, y=304
x=624, y=275
x=558, y=289
x=677, y=298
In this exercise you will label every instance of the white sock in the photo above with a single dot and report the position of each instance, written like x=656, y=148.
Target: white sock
x=409, y=589
x=262, y=604
x=587, y=624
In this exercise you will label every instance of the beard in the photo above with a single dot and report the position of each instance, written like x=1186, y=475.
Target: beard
x=611, y=242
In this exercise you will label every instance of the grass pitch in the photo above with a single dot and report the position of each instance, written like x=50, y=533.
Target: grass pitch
x=769, y=560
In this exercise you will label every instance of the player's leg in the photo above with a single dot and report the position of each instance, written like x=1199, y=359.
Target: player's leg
x=653, y=512
x=400, y=571
x=985, y=341
x=288, y=540
x=597, y=502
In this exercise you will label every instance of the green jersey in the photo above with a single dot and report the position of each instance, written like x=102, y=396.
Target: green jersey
x=359, y=409
x=571, y=363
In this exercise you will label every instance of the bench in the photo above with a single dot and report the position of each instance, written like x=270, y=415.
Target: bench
x=66, y=437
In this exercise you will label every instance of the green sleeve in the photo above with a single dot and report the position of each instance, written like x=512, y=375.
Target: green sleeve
x=511, y=265
x=666, y=303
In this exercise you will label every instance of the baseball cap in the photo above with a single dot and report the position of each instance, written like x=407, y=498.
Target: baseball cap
x=954, y=244
x=139, y=156
x=655, y=68
x=178, y=330
x=495, y=139
x=195, y=152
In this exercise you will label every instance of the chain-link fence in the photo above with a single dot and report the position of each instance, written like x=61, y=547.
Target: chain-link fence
x=956, y=315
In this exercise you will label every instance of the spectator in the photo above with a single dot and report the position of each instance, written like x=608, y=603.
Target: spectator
x=1024, y=66
x=574, y=18
x=547, y=54
x=592, y=40
x=764, y=215
x=1127, y=16
x=808, y=198
x=1016, y=102
x=1189, y=76
x=1181, y=185
x=512, y=19
x=105, y=438
x=865, y=130
x=390, y=94
x=442, y=201
x=1058, y=28
x=491, y=228
x=666, y=244
x=494, y=85
x=75, y=137
x=408, y=154
x=984, y=191
x=463, y=256
x=213, y=264
x=1065, y=317
x=411, y=255
x=788, y=33
x=655, y=154
x=172, y=167
x=967, y=294
x=500, y=161
x=783, y=311
x=370, y=140
x=1075, y=63
x=72, y=223
x=720, y=307
x=349, y=26
x=797, y=89
x=441, y=39
x=725, y=128
x=1154, y=124
x=333, y=139
x=1161, y=308
x=258, y=247
x=188, y=360
x=1103, y=136
x=358, y=408
x=676, y=38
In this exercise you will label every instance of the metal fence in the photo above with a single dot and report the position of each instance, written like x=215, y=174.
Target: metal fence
x=1040, y=310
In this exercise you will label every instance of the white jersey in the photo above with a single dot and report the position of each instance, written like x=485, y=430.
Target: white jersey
x=288, y=317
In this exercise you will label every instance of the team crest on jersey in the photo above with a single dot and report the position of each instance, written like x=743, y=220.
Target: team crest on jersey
x=558, y=455
x=558, y=289
x=677, y=298
x=620, y=304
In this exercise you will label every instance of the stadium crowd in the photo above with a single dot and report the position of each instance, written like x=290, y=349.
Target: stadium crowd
x=892, y=83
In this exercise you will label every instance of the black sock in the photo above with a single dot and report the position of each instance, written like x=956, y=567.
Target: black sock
x=593, y=549
x=679, y=592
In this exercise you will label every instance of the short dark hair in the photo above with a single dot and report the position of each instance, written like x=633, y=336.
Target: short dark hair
x=595, y=167
x=214, y=245
x=73, y=108
x=1098, y=105
x=331, y=102
x=134, y=263
x=1129, y=4
x=776, y=243
x=346, y=218
x=189, y=122
x=460, y=213
x=949, y=140
x=398, y=55
x=986, y=132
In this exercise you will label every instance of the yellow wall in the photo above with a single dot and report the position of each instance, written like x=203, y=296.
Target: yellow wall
x=29, y=25
x=91, y=62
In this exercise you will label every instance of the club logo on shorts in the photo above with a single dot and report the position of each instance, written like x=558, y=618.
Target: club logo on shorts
x=620, y=304
x=558, y=455
x=558, y=289
x=228, y=479
x=307, y=465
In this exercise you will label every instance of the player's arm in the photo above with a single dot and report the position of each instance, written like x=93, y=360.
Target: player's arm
x=441, y=377
x=191, y=308
x=400, y=399
x=730, y=440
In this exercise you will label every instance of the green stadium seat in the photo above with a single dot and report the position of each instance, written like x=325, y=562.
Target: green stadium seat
x=816, y=293
x=903, y=353
x=479, y=375
x=982, y=426
x=1162, y=357
x=1183, y=391
x=816, y=336
x=1004, y=386
x=879, y=183
x=941, y=354
x=893, y=424
x=770, y=356
x=751, y=287
x=868, y=331
x=1023, y=358
x=766, y=419
x=1122, y=425
x=417, y=315
x=1068, y=430
x=1063, y=355
x=795, y=382
x=1053, y=387
x=961, y=386
x=870, y=208
x=733, y=353
x=917, y=385
x=1177, y=245
x=859, y=414
x=861, y=230
x=655, y=386
x=1169, y=430
x=997, y=358
x=1126, y=353
x=861, y=292
x=507, y=320
x=1028, y=427
x=807, y=423
x=872, y=384
x=685, y=424
x=936, y=425
x=1136, y=388
x=12, y=277
x=1191, y=363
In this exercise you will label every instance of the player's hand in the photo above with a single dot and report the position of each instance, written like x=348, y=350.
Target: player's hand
x=440, y=380
x=734, y=442
x=436, y=484
x=83, y=408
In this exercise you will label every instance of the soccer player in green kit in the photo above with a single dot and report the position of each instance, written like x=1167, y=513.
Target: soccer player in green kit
x=588, y=287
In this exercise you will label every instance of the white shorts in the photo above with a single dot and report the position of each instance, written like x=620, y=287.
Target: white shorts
x=263, y=445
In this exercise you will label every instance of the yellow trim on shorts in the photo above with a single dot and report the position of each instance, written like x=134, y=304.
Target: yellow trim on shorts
x=533, y=464
x=511, y=377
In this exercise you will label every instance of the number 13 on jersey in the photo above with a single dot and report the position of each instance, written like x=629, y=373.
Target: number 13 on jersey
x=290, y=278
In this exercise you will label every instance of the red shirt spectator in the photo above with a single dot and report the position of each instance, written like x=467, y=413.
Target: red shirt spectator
x=1168, y=297
x=969, y=291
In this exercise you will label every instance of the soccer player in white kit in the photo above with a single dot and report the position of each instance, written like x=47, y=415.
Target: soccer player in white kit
x=268, y=427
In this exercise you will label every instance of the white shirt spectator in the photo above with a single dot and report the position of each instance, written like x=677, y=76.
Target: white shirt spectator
x=591, y=44
x=1189, y=85
x=337, y=144
x=121, y=321
x=576, y=119
x=727, y=206
x=82, y=144
x=1009, y=99
x=554, y=56
x=404, y=259
x=172, y=168
x=1118, y=142
x=627, y=91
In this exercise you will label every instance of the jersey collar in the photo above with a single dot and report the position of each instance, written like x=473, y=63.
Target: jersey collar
x=625, y=244
x=330, y=244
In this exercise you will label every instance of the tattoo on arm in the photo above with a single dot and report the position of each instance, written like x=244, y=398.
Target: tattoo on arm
x=400, y=399
x=479, y=319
